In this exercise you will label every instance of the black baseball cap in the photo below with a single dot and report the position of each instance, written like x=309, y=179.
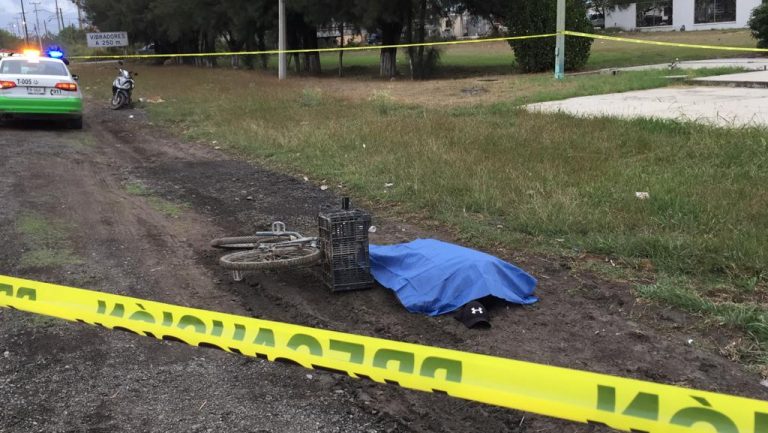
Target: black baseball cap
x=474, y=315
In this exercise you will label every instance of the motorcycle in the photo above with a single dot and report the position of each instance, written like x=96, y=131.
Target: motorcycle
x=122, y=88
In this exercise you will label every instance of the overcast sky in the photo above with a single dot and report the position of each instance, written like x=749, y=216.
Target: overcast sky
x=9, y=10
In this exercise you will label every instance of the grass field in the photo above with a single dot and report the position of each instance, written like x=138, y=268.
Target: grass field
x=498, y=58
x=505, y=178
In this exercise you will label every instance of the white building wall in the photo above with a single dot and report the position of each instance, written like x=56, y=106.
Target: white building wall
x=621, y=18
x=682, y=15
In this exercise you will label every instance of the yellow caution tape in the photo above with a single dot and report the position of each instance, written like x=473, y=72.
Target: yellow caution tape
x=426, y=44
x=318, y=50
x=624, y=404
x=664, y=44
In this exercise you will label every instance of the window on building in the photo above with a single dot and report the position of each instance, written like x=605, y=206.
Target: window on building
x=654, y=13
x=714, y=11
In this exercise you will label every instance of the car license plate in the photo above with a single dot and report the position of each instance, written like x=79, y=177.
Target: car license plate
x=35, y=90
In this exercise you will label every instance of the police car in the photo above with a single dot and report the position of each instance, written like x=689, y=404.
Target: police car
x=38, y=87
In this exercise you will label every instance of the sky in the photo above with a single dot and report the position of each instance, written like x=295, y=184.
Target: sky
x=10, y=10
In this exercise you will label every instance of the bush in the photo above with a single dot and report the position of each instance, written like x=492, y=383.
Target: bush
x=759, y=25
x=540, y=17
x=424, y=66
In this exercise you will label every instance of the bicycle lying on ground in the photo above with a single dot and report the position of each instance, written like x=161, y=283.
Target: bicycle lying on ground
x=274, y=249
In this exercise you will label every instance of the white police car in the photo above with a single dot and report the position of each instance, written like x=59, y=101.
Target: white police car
x=38, y=87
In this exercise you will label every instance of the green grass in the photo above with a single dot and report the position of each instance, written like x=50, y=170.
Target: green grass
x=540, y=176
x=500, y=176
x=137, y=188
x=45, y=258
x=47, y=242
x=498, y=57
x=684, y=294
x=165, y=207
x=547, y=89
x=612, y=54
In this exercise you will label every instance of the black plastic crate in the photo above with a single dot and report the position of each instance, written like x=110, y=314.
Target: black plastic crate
x=344, y=239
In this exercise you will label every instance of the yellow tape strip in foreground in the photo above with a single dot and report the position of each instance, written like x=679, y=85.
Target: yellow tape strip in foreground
x=624, y=404
x=664, y=44
x=318, y=50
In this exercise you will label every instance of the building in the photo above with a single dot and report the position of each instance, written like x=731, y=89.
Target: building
x=661, y=15
x=461, y=26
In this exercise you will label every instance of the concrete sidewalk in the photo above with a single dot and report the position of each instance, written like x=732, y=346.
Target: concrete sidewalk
x=746, y=63
x=724, y=106
x=758, y=79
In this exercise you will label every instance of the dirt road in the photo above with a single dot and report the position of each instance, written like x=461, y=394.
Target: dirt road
x=123, y=207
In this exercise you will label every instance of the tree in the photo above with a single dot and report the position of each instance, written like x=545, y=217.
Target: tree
x=389, y=17
x=603, y=6
x=540, y=17
x=249, y=23
x=423, y=60
x=758, y=23
x=8, y=40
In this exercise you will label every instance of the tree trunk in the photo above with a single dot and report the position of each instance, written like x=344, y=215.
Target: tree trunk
x=312, y=59
x=341, y=53
x=261, y=45
x=388, y=63
x=295, y=24
x=210, y=47
x=390, y=35
x=233, y=45
x=421, y=74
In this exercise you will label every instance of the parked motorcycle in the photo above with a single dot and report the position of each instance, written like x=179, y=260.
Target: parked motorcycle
x=122, y=88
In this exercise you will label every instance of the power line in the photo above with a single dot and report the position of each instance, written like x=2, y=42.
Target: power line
x=37, y=27
x=58, y=21
x=24, y=20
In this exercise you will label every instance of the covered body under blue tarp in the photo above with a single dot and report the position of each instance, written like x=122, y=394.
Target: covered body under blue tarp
x=434, y=277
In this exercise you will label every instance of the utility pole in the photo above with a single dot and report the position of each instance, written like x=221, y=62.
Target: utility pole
x=58, y=21
x=24, y=20
x=61, y=14
x=281, y=44
x=37, y=27
x=560, y=43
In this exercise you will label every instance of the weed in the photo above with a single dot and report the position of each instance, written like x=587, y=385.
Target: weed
x=46, y=258
x=41, y=232
x=163, y=206
x=136, y=188
x=47, y=242
x=383, y=102
x=682, y=294
x=311, y=97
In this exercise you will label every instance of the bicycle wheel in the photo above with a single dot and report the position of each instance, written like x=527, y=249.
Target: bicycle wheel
x=271, y=258
x=246, y=242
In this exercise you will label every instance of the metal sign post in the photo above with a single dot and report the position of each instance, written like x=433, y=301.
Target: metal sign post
x=281, y=44
x=560, y=44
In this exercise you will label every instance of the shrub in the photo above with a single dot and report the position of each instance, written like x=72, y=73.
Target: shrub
x=758, y=23
x=540, y=17
x=424, y=66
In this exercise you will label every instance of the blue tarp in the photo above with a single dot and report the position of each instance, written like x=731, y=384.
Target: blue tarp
x=434, y=277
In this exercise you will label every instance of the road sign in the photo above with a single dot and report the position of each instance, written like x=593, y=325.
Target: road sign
x=106, y=40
